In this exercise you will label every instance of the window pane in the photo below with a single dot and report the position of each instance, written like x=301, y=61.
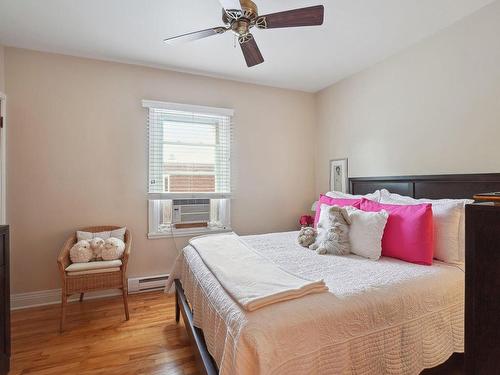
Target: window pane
x=165, y=208
x=189, y=157
x=194, y=183
x=161, y=215
x=188, y=153
x=189, y=169
x=184, y=132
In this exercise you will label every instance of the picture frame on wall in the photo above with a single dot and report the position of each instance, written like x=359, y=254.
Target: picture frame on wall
x=339, y=177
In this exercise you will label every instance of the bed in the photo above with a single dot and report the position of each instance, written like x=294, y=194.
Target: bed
x=384, y=317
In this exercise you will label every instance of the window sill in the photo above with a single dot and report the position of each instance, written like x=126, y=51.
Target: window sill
x=174, y=233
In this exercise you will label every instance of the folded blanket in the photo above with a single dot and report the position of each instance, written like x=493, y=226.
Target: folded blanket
x=248, y=277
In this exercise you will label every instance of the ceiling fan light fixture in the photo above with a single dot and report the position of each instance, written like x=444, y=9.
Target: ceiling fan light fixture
x=240, y=27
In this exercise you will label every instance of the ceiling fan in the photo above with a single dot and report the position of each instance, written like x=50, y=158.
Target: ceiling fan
x=241, y=15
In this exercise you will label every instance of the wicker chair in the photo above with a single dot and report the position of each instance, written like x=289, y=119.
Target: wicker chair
x=83, y=283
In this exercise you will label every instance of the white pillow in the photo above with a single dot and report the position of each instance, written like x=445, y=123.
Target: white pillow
x=375, y=196
x=449, y=224
x=366, y=231
x=117, y=233
x=314, y=206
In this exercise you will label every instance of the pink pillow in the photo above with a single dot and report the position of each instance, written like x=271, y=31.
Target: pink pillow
x=409, y=232
x=323, y=199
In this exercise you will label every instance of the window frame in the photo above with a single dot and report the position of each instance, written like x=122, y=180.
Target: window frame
x=153, y=211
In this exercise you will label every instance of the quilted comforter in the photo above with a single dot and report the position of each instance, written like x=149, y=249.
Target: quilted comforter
x=379, y=317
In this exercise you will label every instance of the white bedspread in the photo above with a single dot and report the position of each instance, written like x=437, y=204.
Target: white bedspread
x=379, y=317
x=250, y=278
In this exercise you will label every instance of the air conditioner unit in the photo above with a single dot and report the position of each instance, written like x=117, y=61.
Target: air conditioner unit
x=190, y=211
x=146, y=284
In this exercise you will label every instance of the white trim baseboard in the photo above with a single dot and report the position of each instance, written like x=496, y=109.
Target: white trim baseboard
x=52, y=297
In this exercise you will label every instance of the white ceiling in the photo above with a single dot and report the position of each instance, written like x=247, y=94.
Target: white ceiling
x=356, y=34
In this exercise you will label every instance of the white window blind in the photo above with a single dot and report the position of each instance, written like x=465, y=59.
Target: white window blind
x=189, y=151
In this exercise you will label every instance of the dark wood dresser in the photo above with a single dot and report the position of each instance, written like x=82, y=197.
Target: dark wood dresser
x=4, y=301
x=482, y=289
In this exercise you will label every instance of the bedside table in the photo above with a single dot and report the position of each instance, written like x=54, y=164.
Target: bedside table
x=482, y=289
x=488, y=197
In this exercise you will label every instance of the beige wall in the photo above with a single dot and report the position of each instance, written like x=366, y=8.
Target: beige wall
x=434, y=108
x=2, y=71
x=77, y=138
x=77, y=155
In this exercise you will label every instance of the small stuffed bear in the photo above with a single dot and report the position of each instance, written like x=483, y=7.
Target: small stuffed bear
x=81, y=252
x=97, y=246
x=113, y=249
x=307, y=236
x=333, y=231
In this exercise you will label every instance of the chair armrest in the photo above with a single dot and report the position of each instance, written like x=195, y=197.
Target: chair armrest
x=63, y=259
x=128, y=248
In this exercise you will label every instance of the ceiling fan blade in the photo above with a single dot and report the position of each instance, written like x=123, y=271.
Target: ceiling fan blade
x=250, y=50
x=195, y=35
x=310, y=16
x=230, y=4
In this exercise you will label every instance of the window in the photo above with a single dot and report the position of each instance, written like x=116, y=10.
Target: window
x=189, y=182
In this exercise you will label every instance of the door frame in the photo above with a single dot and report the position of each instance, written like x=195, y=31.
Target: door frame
x=3, y=164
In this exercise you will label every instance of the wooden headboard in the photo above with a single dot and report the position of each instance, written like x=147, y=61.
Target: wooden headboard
x=456, y=186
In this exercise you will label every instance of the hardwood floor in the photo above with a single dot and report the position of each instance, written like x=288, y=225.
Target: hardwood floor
x=98, y=340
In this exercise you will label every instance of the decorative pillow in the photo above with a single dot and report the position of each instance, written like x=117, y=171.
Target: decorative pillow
x=375, y=196
x=113, y=249
x=81, y=252
x=449, y=224
x=409, y=232
x=323, y=199
x=366, y=231
x=117, y=233
x=97, y=246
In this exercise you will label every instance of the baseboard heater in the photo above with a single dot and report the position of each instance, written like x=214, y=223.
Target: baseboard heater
x=147, y=283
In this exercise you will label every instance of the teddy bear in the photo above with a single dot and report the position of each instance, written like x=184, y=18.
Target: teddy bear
x=81, y=252
x=97, y=246
x=333, y=231
x=113, y=249
x=307, y=236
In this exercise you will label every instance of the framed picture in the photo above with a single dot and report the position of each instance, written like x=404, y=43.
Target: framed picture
x=339, y=178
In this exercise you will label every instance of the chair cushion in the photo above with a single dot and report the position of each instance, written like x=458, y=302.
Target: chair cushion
x=100, y=265
x=100, y=270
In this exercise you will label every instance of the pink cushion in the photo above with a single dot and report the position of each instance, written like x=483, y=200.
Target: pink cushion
x=323, y=199
x=409, y=232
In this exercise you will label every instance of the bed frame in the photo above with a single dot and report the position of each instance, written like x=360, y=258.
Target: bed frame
x=204, y=360
x=457, y=186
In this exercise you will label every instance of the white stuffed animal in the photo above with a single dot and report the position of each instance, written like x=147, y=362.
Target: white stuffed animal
x=333, y=231
x=113, y=249
x=81, y=252
x=97, y=246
